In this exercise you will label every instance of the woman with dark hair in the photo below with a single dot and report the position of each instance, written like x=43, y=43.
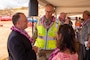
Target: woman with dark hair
x=66, y=44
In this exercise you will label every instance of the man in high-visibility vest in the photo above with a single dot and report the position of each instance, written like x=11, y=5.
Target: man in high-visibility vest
x=46, y=31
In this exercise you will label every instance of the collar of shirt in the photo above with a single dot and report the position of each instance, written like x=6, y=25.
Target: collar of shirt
x=84, y=22
x=50, y=22
x=23, y=32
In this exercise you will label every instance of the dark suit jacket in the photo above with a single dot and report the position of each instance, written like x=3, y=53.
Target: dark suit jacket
x=19, y=47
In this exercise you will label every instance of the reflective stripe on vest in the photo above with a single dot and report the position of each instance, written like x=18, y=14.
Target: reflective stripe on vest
x=51, y=44
x=44, y=38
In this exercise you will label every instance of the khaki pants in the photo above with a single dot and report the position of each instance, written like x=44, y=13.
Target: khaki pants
x=44, y=54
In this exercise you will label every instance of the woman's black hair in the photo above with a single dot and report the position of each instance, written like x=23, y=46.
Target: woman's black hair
x=67, y=40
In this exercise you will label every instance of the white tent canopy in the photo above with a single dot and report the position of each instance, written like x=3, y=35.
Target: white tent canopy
x=72, y=7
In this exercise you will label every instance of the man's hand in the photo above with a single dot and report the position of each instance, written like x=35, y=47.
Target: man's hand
x=35, y=49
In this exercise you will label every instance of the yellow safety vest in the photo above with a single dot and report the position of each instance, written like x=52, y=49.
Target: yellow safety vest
x=46, y=40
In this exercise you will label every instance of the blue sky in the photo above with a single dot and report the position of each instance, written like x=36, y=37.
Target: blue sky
x=13, y=3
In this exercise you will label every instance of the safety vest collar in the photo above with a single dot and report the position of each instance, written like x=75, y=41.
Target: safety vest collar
x=45, y=26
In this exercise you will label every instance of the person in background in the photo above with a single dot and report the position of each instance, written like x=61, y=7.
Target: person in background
x=62, y=18
x=19, y=43
x=66, y=49
x=68, y=21
x=87, y=56
x=84, y=39
x=46, y=33
x=77, y=24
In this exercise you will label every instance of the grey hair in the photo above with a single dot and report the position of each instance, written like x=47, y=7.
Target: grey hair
x=87, y=12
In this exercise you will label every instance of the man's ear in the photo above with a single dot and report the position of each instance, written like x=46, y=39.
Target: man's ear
x=18, y=23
